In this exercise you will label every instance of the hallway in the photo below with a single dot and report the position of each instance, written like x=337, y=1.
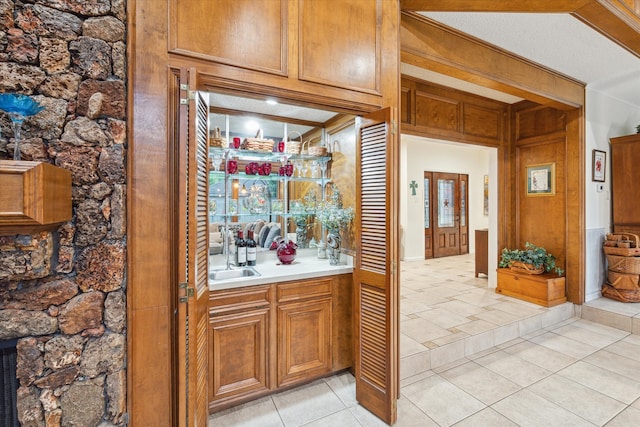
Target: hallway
x=472, y=357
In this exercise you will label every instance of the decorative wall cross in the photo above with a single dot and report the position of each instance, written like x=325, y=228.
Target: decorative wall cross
x=413, y=187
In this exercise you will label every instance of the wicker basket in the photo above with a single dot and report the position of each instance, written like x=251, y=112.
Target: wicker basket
x=624, y=264
x=256, y=144
x=624, y=295
x=292, y=146
x=522, y=267
x=623, y=280
x=626, y=244
x=317, y=151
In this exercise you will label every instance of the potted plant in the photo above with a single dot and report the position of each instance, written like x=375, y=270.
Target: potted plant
x=521, y=276
x=532, y=260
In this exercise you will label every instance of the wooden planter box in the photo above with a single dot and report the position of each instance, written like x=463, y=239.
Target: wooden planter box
x=545, y=289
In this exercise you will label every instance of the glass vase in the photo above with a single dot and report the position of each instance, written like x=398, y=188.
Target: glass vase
x=334, y=246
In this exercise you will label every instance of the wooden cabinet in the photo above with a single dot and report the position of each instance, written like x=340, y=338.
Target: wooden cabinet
x=266, y=337
x=35, y=196
x=304, y=330
x=545, y=289
x=625, y=176
x=482, y=248
x=239, y=328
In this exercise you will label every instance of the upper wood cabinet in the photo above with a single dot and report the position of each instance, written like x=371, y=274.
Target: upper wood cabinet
x=625, y=152
x=313, y=44
x=35, y=196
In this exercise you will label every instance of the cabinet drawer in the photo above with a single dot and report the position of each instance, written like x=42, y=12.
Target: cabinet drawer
x=230, y=300
x=295, y=291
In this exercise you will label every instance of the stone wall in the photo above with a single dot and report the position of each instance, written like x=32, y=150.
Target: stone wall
x=63, y=293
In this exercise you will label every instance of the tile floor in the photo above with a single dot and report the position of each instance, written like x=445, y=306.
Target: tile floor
x=470, y=357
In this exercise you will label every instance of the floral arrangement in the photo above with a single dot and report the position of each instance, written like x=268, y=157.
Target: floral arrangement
x=332, y=214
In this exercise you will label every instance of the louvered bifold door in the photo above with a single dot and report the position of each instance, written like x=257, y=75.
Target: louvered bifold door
x=193, y=237
x=375, y=279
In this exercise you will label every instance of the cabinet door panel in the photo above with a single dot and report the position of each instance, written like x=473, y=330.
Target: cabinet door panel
x=304, y=340
x=341, y=49
x=239, y=363
x=247, y=33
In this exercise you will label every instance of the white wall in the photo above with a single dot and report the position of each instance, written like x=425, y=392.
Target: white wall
x=606, y=117
x=423, y=154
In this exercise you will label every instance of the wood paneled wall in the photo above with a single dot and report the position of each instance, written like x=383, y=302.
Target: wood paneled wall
x=446, y=113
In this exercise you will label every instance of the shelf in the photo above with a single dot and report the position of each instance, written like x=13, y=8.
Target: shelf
x=265, y=155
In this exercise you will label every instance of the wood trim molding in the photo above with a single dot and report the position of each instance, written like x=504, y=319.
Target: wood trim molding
x=552, y=6
x=429, y=44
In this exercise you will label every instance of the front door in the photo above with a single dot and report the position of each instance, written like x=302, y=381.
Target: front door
x=447, y=232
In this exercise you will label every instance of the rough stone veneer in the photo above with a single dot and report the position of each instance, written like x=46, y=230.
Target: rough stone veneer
x=62, y=293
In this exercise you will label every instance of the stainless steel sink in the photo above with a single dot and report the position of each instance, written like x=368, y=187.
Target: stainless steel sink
x=233, y=273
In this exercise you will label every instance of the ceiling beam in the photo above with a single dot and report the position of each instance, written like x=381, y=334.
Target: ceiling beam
x=538, y=6
x=615, y=19
x=428, y=44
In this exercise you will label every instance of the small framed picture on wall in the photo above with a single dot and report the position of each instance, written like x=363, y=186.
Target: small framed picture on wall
x=541, y=179
x=599, y=165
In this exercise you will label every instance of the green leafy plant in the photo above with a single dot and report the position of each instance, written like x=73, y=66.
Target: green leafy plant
x=638, y=129
x=531, y=254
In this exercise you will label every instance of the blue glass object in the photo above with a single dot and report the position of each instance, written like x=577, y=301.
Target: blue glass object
x=18, y=107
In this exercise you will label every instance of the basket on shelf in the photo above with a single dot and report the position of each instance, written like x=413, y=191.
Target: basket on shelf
x=623, y=280
x=291, y=145
x=216, y=140
x=317, y=151
x=257, y=144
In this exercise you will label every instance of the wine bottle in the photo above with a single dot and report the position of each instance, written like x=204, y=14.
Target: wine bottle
x=241, y=250
x=252, y=250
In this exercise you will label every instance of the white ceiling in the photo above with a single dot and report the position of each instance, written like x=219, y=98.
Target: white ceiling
x=557, y=41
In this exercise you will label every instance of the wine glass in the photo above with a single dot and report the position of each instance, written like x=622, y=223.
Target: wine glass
x=323, y=168
x=315, y=165
x=217, y=159
x=18, y=107
x=298, y=165
x=303, y=169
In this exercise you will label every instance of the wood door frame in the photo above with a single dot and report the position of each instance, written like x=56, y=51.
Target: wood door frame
x=433, y=211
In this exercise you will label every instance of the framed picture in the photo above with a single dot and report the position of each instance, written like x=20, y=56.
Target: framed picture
x=599, y=165
x=541, y=179
x=486, y=195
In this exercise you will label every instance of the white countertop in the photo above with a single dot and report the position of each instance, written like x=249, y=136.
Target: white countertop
x=306, y=266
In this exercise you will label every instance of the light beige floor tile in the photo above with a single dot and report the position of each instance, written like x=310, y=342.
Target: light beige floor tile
x=457, y=336
x=344, y=418
x=585, y=335
x=565, y=345
x=528, y=409
x=415, y=364
x=513, y=368
x=628, y=417
x=443, y=318
x=461, y=308
x=477, y=343
x=520, y=310
x=421, y=330
x=410, y=306
x=544, y=357
x=498, y=317
x=410, y=416
x=626, y=349
x=558, y=314
x=632, y=338
x=434, y=397
x=615, y=306
x=307, y=403
x=486, y=417
x=615, y=363
x=344, y=386
x=480, y=382
x=415, y=378
x=612, y=384
x=476, y=327
x=480, y=300
x=600, y=328
x=530, y=325
x=260, y=412
x=409, y=346
x=447, y=354
x=577, y=398
x=506, y=333
x=366, y=418
x=613, y=320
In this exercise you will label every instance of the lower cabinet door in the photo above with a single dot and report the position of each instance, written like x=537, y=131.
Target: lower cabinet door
x=238, y=366
x=304, y=340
